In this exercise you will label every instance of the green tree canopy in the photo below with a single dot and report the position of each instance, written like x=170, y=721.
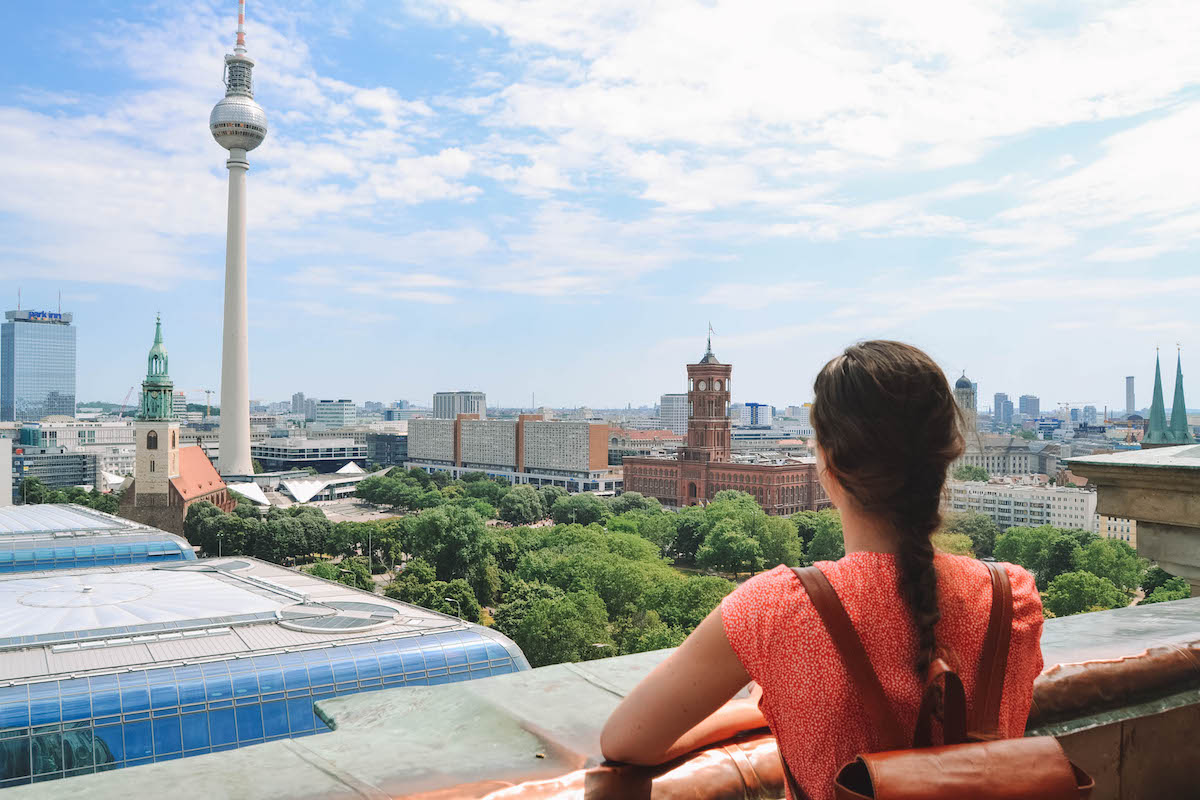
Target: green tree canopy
x=632, y=501
x=958, y=544
x=1115, y=560
x=1079, y=591
x=966, y=472
x=1173, y=589
x=522, y=506
x=727, y=547
x=1155, y=577
x=979, y=527
x=1046, y=551
x=583, y=508
x=573, y=627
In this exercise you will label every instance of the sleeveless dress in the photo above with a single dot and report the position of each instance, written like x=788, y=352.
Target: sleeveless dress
x=808, y=699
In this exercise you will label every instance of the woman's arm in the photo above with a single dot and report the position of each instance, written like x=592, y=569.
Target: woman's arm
x=684, y=703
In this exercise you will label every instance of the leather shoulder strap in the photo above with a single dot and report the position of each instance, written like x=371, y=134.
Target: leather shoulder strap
x=993, y=659
x=854, y=656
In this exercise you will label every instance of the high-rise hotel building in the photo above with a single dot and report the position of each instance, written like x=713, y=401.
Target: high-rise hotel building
x=37, y=366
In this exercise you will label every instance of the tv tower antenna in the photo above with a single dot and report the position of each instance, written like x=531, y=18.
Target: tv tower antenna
x=239, y=125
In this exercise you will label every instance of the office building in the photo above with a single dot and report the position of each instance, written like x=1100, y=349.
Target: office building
x=1089, y=415
x=209, y=656
x=298, y=403
x=528, y=450
x=1130, y=405
x=1030, y=406
x=39, y=538
x=111, y=440
x=626, y=442
x=6, y=472
x=310, y=409
x=335, y=413
x=295, y=452
x=56, y=467
x=37, y=365
x=1002, y=410
x=448, y=405
x=1012, y=505
x=672, y=413
x=387, y=449
x=707, y=464
x=967, y=399
x=756, y=415
x=179, y=404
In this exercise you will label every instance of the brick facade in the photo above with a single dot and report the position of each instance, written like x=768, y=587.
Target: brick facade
x=704, y=466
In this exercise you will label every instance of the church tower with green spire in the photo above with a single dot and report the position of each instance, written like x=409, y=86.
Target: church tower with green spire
x=157, y=430
x=1159, y=433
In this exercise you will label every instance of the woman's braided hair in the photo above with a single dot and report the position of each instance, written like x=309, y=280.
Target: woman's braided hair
x=889, y=428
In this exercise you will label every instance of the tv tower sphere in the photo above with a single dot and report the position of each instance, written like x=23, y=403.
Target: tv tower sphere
x=237, y=122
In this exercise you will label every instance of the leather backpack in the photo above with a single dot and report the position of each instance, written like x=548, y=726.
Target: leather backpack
x=974, y=762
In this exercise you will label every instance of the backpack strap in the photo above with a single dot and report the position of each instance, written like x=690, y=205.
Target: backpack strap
x=854, y=657
x=993, y=659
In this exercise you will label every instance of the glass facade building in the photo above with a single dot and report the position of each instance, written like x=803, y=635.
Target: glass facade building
x=37, y=366
x=130, y=665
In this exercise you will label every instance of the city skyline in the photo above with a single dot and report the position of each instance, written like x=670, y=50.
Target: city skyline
x=439, y=180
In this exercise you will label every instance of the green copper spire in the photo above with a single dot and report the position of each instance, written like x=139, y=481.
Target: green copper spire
x=1179, y=431
x=1158, y=433
x=157, y=389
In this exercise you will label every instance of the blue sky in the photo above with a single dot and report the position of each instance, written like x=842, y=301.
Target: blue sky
x=538, y=196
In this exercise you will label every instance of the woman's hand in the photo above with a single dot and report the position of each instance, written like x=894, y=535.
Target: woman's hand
x=685, y=702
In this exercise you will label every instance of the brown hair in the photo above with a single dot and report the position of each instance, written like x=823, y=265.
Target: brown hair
x=889, y=427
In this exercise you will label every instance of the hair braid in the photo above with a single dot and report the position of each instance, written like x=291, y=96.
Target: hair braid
x=919, y=587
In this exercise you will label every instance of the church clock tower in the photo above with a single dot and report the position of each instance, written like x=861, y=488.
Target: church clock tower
x=157, y=430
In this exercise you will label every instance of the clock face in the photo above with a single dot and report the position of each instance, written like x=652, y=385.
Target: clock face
x=717, y=385
x=702, y=386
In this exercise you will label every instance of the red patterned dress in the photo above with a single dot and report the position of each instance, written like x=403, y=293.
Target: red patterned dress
x=807, y=696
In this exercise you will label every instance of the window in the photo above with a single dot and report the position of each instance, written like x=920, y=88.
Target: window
x=152, y=465
x=152, y=440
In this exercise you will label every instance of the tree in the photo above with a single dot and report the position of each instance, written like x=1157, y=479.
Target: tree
x=632, y=501
x=550, y=494
x=522, y=506
x=256, y=465
x=827, y=542
x=958, y=544
x=33, y=491
x=967, y=472
x=445, y=537
x=1030, y=436
x=780, y=543
x=727, y=547
x=689, y=532
x=1173, y=589
x=1115, y=560
x=573, y=628
x=1079, y=591
x=1155, y=577
x=979, y=527
x=487, y=490
x=1045, y=551
x=584, y=509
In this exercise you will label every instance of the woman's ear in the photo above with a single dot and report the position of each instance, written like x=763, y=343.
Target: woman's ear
x=833, y=490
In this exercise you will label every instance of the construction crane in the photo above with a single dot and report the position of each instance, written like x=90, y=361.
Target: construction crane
x=125, y=402
x=207, y=399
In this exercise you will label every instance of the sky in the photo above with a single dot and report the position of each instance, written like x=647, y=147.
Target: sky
x=537, y=196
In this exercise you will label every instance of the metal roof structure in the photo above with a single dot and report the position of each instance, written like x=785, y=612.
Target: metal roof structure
x=64, y=536
x=125, y=665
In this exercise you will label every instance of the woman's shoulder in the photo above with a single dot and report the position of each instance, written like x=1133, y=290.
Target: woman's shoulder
x=970, y=577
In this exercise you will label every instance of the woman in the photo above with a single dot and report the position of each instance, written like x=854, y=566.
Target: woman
x=887, y=429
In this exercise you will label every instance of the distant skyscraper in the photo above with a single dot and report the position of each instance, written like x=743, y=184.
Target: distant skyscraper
x=964, y=395
x=1030, y=405
x=37, y=366
x=1130, y=407
x=448, y=405
x=1002, y=409
x=336, y=413
x=239, y=125
x=298, y=403
x=673, y=412
x=179, y=403
x=756, y=414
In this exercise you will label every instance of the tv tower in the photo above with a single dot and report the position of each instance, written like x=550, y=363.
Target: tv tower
x=239, y=125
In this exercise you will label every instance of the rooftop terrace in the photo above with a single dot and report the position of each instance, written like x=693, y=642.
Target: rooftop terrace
x=1122, y=692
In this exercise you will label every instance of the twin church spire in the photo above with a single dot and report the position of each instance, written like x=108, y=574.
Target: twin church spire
x=1160, y=431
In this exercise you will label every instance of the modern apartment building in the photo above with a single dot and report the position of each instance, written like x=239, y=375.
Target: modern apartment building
x=529, y=450
x=1118, y=528
x=448, y=405
x=1011, y=505
x=673, y=413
